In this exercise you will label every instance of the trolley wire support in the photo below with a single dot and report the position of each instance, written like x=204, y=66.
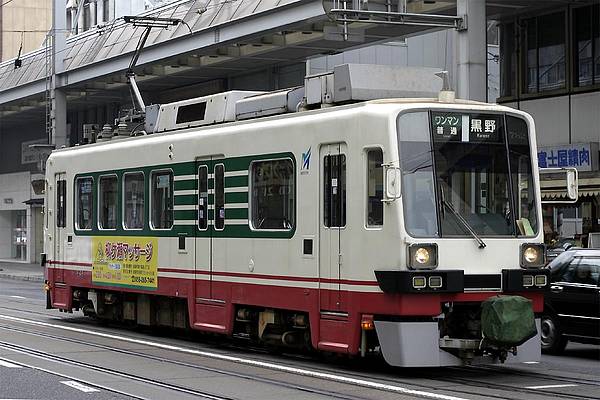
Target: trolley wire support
x=345, y=12
x=148, y=23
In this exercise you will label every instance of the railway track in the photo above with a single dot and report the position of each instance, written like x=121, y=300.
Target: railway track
x=386, y=378
x=108, y=371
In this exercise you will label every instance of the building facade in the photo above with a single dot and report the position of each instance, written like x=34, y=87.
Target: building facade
x=550, y=68
x=23, y=26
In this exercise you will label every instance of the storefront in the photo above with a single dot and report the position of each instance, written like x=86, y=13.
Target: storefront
x=571, y=222
x=21, y=219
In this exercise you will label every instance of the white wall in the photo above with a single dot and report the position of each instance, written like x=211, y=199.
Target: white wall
x=551, y=117
x=15, y=186
x=585, y=117
x=5, y=234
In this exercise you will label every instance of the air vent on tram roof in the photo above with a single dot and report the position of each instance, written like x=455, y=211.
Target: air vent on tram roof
x=206, y=110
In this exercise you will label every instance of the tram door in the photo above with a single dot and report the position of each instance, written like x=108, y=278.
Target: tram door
x=60, y=223
x=332, y=225
x=203, y=233
x=210, y=212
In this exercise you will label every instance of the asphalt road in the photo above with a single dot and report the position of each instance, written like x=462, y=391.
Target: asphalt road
x=45, y=354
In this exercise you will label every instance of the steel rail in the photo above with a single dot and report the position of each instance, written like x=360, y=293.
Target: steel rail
x=390, y=380
x=257, y=378
x=51, y=357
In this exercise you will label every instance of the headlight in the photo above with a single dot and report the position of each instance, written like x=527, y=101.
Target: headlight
x=533, y=255
x=422, y=256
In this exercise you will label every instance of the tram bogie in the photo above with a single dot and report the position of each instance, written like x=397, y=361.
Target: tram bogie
x=377, y=224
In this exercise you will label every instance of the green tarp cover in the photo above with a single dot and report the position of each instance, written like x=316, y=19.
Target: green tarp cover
x=507, y=320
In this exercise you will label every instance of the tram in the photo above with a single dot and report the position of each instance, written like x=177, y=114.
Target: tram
x=360, y=213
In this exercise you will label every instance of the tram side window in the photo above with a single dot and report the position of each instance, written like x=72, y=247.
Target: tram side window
x=85, y=203
x=162, y=200
x=133, y=213
x=273, y=194
x=203, y=197
x=219, y=197
x=374, y=187
x=107, y=189
x=335, y=190
x=61, y=204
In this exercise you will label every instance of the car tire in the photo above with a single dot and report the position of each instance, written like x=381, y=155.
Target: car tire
x=553, y=341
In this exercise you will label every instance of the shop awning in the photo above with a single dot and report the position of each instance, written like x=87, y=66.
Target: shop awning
x=556, y=189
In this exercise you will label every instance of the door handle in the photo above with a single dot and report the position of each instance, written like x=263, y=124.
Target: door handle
x=556, y=289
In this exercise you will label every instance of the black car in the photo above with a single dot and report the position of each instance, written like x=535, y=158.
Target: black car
x=572, y=306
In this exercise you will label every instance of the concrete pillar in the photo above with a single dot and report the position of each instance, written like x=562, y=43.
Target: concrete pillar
x=59, y=97
x=81, y=20
x=100, y=12
x=93, y=19
x=111, y=10
x=30, y=253
x=471, y=48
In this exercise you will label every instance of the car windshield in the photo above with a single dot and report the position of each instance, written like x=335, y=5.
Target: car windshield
x=466, y=172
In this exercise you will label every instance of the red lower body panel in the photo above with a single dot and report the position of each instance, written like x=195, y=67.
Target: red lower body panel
x=335, y=330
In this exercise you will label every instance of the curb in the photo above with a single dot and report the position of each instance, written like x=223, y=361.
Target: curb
x=30, y=278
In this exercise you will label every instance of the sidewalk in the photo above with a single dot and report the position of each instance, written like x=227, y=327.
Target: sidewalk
x=21, y=271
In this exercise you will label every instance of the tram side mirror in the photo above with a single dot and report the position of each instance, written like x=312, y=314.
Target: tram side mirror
x=572, y=185
x=559, y=185
x=392, y=183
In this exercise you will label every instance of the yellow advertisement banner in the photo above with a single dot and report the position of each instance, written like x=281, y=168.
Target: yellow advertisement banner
x=125, y=261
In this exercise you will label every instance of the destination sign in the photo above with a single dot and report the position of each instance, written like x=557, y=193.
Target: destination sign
x=459, y=127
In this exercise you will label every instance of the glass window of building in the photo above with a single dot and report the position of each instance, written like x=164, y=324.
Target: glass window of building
x=273, y=194
x=162, y=200
x=107, y=204
x=586, y=45
x=508, y=60
x=84, y=203
x=374, y=187
x=545, y=53
x=133, y=209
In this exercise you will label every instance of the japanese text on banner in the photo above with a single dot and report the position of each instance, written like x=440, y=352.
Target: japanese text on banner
x=125, y=261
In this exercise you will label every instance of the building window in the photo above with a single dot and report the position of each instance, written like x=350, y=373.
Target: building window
x=586, y=46
x=162, y=200
x=61, y=204
x=85, y=203
x=219, y=197
x=508, y=60
x=273, y=194
x=544, y=53
x=374, y=187
x=203, y=197
x=133, y=210
x=335, y=190
x=107, y=191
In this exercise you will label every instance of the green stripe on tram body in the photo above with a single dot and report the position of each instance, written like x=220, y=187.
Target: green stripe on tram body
x=190, y=168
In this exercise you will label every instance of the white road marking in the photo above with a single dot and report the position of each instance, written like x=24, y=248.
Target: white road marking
x=18, y=297
x=80, y=386
x=245, y=361
x=531, y=362
x=7, y=364
x=551, y=386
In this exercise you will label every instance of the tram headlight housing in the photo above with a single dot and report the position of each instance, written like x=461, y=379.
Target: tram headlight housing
x=422, y=256
x=533, y=255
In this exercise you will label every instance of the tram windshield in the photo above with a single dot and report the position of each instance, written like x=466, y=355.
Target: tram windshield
x=466, y=172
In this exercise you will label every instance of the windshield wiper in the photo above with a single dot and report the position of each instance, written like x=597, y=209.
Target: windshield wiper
x=461, y=219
